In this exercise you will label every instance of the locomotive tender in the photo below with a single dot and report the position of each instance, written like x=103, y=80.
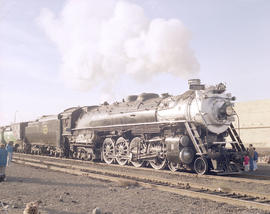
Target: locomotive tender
x=188, y=131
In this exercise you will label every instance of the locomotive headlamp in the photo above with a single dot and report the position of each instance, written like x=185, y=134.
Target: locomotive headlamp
x=229, y=110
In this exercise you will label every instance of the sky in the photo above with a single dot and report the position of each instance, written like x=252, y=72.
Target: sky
x=57, y=54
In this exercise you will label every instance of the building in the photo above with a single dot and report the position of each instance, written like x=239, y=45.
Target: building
x=254, y=123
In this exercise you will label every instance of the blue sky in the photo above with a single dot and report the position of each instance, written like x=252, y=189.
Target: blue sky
x=230, y=40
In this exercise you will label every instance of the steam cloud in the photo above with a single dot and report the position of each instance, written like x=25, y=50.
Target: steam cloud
x=100, y=40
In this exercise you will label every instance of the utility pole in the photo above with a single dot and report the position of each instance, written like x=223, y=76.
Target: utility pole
x=15, y=116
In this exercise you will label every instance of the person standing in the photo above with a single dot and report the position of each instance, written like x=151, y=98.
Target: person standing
x=10, y=152
x=246, y=163
x=3, y=162
x=251, y=157
x=255, y=166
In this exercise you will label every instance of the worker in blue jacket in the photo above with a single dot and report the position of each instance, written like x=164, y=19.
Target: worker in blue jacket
x=255, y=160
x=10, y=152
x=3, y=162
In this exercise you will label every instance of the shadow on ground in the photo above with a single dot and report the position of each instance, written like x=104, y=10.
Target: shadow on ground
x=48, y=182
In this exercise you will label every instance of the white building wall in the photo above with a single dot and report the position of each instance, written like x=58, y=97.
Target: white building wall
x=254, y=117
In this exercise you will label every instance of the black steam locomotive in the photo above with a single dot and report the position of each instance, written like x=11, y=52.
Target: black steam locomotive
x=189, y=131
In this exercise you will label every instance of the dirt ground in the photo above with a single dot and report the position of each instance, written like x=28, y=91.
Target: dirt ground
x=263, y=169
x=67, y=194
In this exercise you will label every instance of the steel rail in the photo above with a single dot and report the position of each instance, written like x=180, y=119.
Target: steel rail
x=258, y=201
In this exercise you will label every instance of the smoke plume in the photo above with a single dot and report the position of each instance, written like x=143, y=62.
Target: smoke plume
x=100, y=40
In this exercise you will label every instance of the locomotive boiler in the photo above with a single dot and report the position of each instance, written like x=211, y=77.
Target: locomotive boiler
x=193, y=130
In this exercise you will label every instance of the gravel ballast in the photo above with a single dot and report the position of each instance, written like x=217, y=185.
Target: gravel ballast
x=62, y=193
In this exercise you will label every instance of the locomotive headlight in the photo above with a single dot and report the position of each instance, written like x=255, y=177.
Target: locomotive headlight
x=229, y=110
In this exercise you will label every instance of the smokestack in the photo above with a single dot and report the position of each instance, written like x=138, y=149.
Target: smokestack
x=195, y=84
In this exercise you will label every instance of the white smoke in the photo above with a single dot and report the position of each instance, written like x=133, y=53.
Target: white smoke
x=100, y=40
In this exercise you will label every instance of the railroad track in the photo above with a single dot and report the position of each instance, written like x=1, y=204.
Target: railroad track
x=195, y=190
x=248, y=178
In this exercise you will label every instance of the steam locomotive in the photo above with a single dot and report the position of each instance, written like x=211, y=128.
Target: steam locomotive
x=191, y=131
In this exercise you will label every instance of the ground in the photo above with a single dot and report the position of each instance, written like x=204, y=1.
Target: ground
x=67, y=194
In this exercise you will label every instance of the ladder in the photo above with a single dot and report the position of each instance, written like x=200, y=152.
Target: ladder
x=195, y=138
x=237, y=142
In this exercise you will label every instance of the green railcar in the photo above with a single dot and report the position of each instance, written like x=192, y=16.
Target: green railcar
x=15, y=133
x=7, y=135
